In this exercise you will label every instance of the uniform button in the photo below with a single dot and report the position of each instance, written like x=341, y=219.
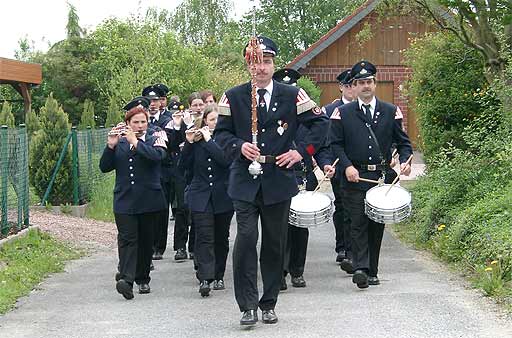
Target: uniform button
x=131, y=160
x=263, y=130
x=263, y=144
x=370, y=137
x=369, y=147
x=131, y=168
x=132, y=182
x=210, y=176
x=209, y=168
x=209, y=160
x=131, y=175
x=370, y=158
x=211, y=184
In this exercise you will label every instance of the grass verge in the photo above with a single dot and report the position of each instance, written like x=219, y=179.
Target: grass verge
x=101, y=204
x=26, y=261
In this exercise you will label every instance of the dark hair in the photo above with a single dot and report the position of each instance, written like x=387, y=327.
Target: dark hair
x=134, y=111
x=206, y=93
x=207, y=110
x=193, y=96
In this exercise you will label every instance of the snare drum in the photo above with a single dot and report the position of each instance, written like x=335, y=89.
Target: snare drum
x=388, y=209
x=309, y=209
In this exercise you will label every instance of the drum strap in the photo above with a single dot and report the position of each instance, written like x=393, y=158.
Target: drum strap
x=382, y=161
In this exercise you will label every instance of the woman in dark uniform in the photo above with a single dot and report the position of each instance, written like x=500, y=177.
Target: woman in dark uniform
x=208, y=201
x=138, y=196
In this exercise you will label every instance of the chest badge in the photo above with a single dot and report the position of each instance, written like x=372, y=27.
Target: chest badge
x=280, y=129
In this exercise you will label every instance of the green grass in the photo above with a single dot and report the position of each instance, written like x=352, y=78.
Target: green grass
x=100, y=206
x=26, y=261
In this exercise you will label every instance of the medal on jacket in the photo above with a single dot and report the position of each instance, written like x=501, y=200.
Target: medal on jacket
x=280, y=129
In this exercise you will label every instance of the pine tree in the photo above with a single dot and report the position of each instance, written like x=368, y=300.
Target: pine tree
x=32, y=123
x=87, y=119
x=114, y=115
x=6, y=117
x=45, y=151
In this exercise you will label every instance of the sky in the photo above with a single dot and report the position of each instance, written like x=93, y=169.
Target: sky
x=44, y=21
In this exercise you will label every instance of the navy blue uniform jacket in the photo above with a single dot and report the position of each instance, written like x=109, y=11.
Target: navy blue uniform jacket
x=289, y=106
x=209, y=168
x=137, y=188
x=352, y=142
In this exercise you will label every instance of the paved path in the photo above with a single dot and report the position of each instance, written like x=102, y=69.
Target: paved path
x=417, y=298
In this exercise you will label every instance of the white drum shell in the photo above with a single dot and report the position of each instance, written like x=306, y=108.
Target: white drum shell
x=389, y=208
x=308, y=209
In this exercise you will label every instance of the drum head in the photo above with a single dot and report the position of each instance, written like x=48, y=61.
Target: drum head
x=307, y=201
x=394, y=199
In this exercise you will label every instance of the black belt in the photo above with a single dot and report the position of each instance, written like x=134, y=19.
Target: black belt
x=266, y=159
x=372, y=167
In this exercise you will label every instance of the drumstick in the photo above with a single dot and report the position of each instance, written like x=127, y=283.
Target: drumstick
x=325, y=176
x=368, y=180
x=397, y=177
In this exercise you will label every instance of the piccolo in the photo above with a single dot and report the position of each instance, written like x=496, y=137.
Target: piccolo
x=182, y=113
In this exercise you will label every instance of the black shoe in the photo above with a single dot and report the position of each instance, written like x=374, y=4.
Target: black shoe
x=298, y=282
x=151, y=266
x=249, y=317
x=190, y=255
x=268, y=316
x=219, y=285
x=373, y=280
x=157, y=256
x=346, y=265
x=144, y=288
x=284, y=286
x=204, y=288
x=360, y=278
x=124, y=288
x=118, y=276
x=341, y=256
x=181, y=255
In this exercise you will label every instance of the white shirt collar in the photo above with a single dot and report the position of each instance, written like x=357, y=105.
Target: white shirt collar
x=373, y=103
x=344, y=100
x=156, y=116
x=269, y=88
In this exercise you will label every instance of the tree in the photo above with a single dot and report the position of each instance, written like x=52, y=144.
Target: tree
x=296, y=24
x=6, y=117
x=114, y=115
x=73, y=29
x=87, y=119
x=32, y=123
x=45, y=150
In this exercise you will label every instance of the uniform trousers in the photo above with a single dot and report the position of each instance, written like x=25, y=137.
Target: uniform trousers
x=340, y=218
x=161, y=228
x=296, y=249
x=211, y=244
x=366, y=235
x=182, y=219
x=274, y=230
x=134, y=245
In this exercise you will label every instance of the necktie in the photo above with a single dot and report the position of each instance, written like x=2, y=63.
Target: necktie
x=367, y=113
x=262, y=105
x=152, y=120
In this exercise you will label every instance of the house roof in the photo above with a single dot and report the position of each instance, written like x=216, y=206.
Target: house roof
x=334, y=34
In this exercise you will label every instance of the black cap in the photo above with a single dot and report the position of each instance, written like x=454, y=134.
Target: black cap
x=151, y=93
x=287, y=76
x=139, y=100
x=363, y=70
x=344, y=77
x=175, y=105
x=267, y=46
x=163, y=89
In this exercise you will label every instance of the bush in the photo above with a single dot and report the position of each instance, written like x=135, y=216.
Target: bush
x=45, y=151
x=449, y=88
x=87, y=119
x=114, y=115
x=311, y=88
x=6, y=117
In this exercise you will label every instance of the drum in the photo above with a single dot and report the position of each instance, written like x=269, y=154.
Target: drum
x=310, y=209
x=388, y=209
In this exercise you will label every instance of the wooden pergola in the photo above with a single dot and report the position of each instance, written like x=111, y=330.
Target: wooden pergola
x=21, y=76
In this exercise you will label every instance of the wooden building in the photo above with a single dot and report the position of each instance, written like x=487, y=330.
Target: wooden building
x=21, y=76
x=367, y=34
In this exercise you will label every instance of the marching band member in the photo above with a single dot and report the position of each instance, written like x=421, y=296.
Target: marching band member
x=208, y=201
x=361, y=135
x=281, y=109
x=136, y=158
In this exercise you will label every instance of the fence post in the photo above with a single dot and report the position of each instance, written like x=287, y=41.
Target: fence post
x=4, y=172
x=89, y=161
x=56, y=170
x=24, y=173
x=74, y=146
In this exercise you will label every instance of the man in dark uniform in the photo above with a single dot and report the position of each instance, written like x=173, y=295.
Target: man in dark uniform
x=340, y=217
x=361, y=136
x=281, y=109
x=163, y=90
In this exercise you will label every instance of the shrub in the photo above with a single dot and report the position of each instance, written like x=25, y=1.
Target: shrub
x=45, y=151
x=6, y=117
x=87, y=119
x=114, y=115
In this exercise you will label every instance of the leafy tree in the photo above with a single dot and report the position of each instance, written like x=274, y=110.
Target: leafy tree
x=87, y=119
x=45, y=151
x=6, y=117
x=114, y=115
x=311, y=88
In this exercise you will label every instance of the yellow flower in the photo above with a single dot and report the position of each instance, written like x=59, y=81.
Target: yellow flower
x=488, y=269
x=441, y=227
x=494, y=262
